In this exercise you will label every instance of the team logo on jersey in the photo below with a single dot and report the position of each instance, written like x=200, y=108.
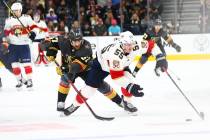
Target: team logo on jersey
x=116, y=64
x=17, y=30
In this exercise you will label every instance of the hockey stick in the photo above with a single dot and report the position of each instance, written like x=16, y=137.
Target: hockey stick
x=177, y=77
x=88, y=106
x=200, y=114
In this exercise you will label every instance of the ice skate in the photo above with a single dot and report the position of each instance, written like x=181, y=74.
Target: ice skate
x=128, y=106
x=19, y=85
x=60, y=106
x=69, y=110
x=29, y=84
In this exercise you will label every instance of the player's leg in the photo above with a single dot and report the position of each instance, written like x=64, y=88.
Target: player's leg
x=63, y=91
x=25, y=57
x=86, y=93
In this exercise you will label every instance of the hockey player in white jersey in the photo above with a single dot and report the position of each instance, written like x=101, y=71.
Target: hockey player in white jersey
x=115, y=59
x=42, y=35
x=18, y=31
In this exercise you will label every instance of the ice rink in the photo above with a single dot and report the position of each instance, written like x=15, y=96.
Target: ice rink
x=162, y=114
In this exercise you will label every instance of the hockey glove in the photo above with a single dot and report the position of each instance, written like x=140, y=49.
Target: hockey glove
x=62, y=69
x=4, y=47
x=135, y=90
x=176, y=47
x=161, y=64
x=51, y=58
x=45, y=44
x=32, y=35
x=71, y=77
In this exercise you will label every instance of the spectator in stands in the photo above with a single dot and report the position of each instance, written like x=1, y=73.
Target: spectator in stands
x=62, y=28
x=146, y=23
x=51, y=16
x=86, y=29
x=109, y=17
x=49, y=5
x=155, y=9
x=114, y=29
x=51, y=26
x=62, y=10
x=135, y=24
x=75, y=25
x=100, y=29
x=93, y=18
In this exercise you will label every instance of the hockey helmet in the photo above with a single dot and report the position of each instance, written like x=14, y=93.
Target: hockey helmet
x=75, y=35
x=16, y=6
x=158, y=22
x=127, y=37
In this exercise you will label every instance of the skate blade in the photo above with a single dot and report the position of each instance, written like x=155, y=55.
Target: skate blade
x=132, y=113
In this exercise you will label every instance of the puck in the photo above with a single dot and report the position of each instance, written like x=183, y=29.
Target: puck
x=188, y=120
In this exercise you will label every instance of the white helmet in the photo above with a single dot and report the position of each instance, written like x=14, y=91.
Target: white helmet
x=127, y=37
x=16, y=6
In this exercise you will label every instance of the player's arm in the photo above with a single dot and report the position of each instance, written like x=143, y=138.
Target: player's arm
x=31, y=25
x=51, y=47
x=5, y=39
x=161, y=62
x=167, y=37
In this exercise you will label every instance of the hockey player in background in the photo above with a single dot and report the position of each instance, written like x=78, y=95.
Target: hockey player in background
x=42, y=34
x=76, y=62
x=17, y=40
x=156, y=33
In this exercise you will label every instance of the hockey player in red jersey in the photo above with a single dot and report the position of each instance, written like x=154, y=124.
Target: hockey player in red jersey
x=18, y=31
x=42, y=35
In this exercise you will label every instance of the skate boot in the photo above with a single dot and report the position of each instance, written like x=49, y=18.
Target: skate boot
x=128, y=106
x=29, y=83
x=60, y=106
x=69, y=110
x=20, y=84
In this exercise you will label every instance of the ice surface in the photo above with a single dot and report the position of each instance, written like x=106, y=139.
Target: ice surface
x=31, y=115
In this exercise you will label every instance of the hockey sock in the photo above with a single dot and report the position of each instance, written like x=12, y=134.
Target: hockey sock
x=112, y=95
x=61, y=97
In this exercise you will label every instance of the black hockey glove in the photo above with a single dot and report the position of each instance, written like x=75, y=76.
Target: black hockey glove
x=32, y=35
x=45, y=44
x=161, y=64
x=71, y=77
x=176, y=47
x=135, y=90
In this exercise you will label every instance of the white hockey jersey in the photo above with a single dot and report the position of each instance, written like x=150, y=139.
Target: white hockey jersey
x=114, y=61
x=15, y=33
x=42, y=30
